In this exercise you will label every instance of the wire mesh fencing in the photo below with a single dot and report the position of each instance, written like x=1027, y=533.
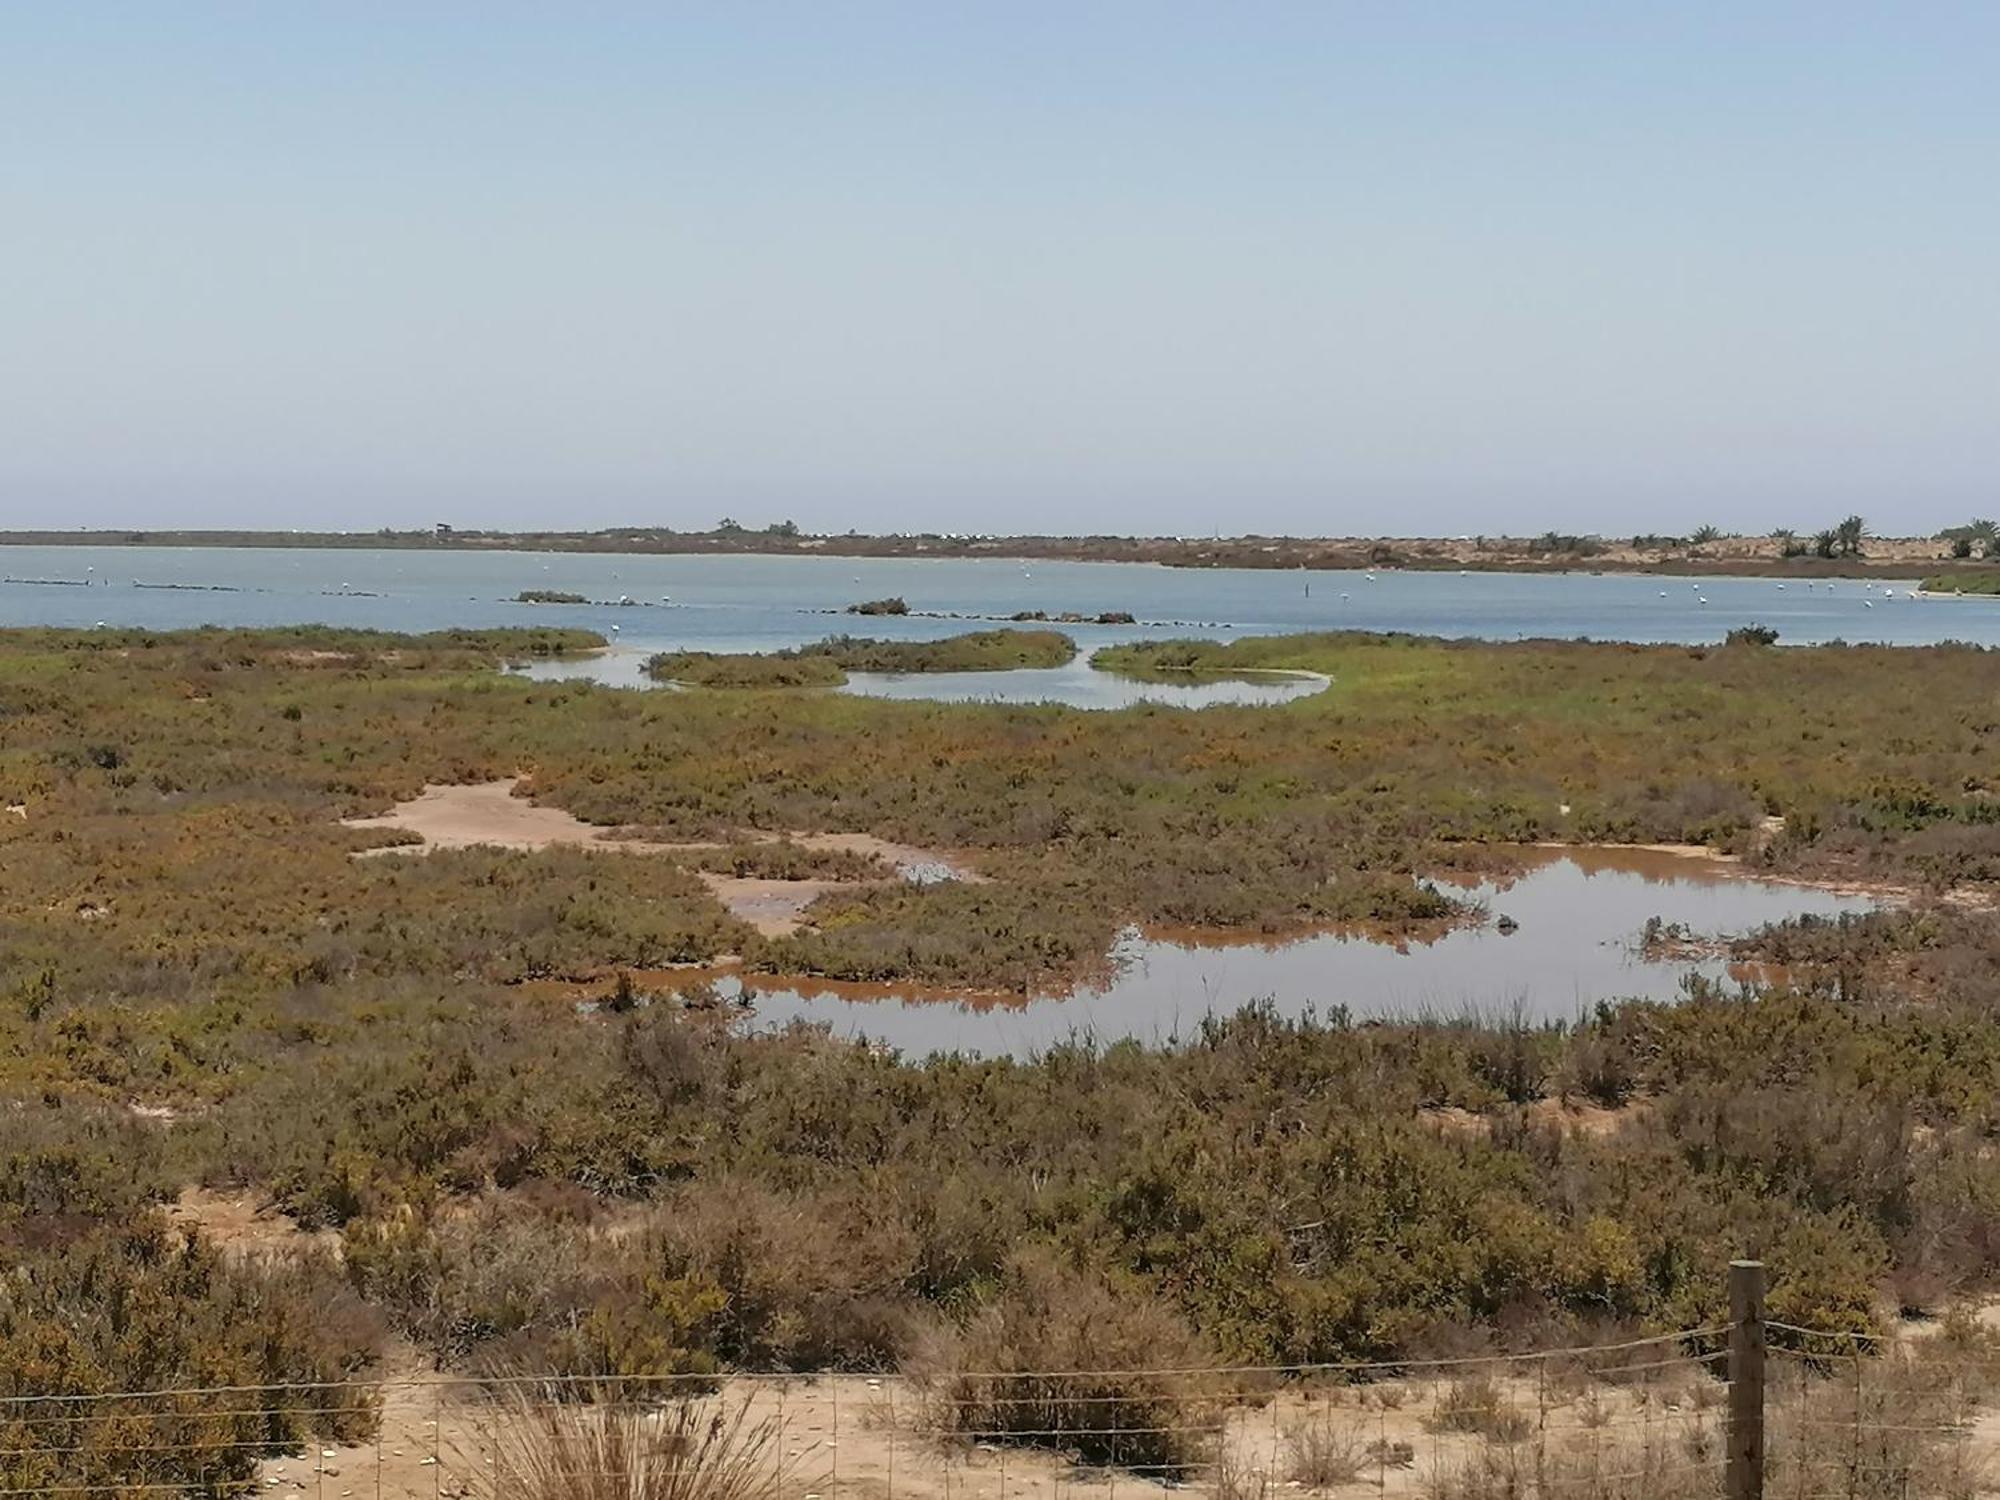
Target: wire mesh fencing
x=1855, y=1415
x=1641, y=1418
x=1745, y=1410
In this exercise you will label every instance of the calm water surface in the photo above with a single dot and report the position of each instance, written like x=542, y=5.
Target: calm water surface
x=763, y=603
x=757, y=603
x=1081, y=685
x=1077, y=684
x=1581, y=914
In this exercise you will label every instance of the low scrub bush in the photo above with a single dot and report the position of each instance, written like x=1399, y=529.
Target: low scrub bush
x=999, y=1377
x=709, y=669
x=782, y=859
x=1477, y=1404
x=141, y=1308
x=978, y=651
x=1324, y=1450
x=1752, y=635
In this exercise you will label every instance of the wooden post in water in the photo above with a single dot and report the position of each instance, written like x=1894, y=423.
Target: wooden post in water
x=1744, y=1477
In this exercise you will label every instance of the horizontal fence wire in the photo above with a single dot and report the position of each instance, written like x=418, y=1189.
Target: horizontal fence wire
x=1637, y=1418
x=684, y=1378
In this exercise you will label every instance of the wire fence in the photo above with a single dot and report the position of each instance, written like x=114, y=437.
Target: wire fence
x=1743, y=1410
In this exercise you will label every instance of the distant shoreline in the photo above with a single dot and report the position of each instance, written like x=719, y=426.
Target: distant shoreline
x=1729, y=556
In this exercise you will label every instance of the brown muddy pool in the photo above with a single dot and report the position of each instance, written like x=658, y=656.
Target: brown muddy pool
x=1580, y=917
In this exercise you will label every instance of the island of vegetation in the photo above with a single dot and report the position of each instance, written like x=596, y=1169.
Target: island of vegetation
x=826, y=663
x=466, y=1066
x=549, y=596
x=1973, y=581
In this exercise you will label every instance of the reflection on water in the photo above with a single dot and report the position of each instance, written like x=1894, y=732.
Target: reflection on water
x=1579, y=916
x=617, y=667
x=1078, y=684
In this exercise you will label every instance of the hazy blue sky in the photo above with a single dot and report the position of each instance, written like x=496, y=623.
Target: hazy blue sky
x=1326, y=267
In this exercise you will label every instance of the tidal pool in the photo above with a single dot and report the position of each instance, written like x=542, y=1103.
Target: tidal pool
x=1580, y=916
x=1076, y=685
x=1080, y=685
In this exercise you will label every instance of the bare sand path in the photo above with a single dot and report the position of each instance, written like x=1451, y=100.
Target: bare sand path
x=491, y=815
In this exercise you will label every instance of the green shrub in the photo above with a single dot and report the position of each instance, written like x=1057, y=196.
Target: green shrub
x=709, y=669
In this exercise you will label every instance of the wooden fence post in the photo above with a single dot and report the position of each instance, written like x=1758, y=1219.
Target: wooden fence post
x=1745, y=1474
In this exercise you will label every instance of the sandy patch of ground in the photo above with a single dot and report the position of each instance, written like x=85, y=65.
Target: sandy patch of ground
x=775, y=908
x=246, y=1224
x=486, y=814
x=868, y=1438
x=1573, y=1116
x=318, y=658
x=489, y=815
x=910, y=862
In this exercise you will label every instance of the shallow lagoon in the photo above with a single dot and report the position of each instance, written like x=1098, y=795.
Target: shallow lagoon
x=1581, y=915
x=1077, y=684
x=761, y=603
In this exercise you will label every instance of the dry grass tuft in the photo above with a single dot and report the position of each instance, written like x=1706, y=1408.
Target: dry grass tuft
x=1323, y=1451
x=1477, y=1405
x=683, y=1450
